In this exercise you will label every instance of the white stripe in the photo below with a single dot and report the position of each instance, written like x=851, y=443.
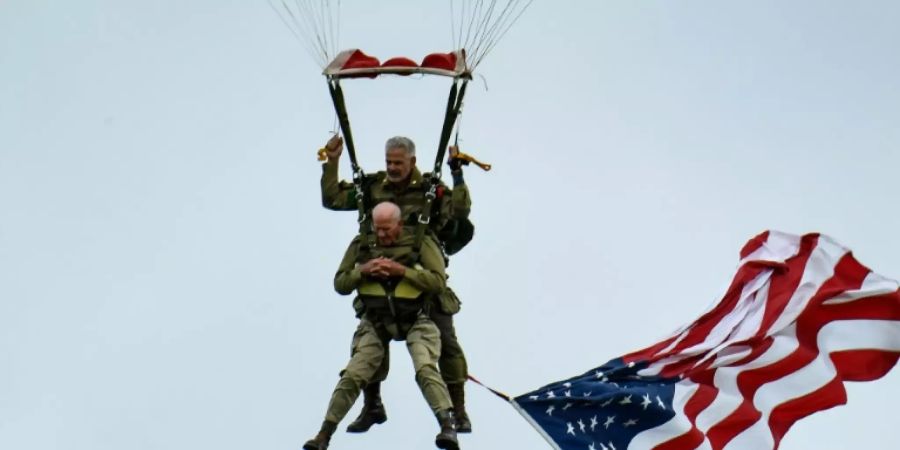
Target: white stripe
x=750, y=303
x=819, y=268
x=834, y=337
x=725, y=380
x=777, y=248
x=873, y=285
x=676, y=426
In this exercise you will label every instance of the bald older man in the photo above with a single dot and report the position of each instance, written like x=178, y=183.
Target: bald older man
x=396, y=293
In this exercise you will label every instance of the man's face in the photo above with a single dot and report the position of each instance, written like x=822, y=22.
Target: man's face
x=399, y=164
x=387, y=229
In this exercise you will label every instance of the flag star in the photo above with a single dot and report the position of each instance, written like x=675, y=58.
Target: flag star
x=646, y=402
x=609, y=421
x=616, y=384
x=567, y=406
x=606, y=403
x=626, y=400
x=630, y=423
x=593, y=423
x=551, y=394
x=533, y=397
x=603, y=447
x=631, y=364
x=570, y=429
x=599, y=375
x=660, y=402
x=550, y=410
x=591, y=447
x=581, y=425
x=611, y=446
x=567, y=385
x=587, y=394
x=567, y=393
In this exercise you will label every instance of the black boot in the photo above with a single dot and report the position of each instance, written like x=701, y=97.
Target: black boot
x=372, y=411
x=320, y=442
x=458, y=397
x=446, y=439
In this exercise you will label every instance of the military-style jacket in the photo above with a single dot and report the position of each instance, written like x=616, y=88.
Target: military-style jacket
x=427, y=274
x=417, y=289
x=450, y=205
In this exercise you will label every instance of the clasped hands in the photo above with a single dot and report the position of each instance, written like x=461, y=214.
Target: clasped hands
x=382, y=268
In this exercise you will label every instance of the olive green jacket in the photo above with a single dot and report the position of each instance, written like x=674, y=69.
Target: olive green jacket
x=427, y=274
x=340, y=195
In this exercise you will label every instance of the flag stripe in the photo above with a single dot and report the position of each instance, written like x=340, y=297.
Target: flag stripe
x=800, y=317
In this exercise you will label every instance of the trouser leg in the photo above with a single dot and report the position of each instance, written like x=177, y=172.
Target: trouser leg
x=424, y=344
x=454, y=369
x=453, y=365
x=367, y=355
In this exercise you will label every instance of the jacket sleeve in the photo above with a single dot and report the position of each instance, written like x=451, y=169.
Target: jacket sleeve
x=348, y=276
x=431, y=278
x=460, y=202
x=336, y=195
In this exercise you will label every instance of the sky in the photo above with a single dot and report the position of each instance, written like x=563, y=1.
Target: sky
x=166, y=265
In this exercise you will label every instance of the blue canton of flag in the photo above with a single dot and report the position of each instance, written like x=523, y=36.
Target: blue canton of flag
x=602, y=409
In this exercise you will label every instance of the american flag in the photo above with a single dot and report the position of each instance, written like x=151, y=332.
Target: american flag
x=800, y=318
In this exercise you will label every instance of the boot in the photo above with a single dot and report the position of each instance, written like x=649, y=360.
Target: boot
x=446, y=439
x=320, y=442
x=372, y=411
x=458, y=397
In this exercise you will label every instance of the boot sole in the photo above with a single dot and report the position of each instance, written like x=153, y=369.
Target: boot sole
x=378, y=421
x=446, y=444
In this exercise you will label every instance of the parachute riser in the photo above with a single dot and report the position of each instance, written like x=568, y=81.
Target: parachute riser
x=454, y=105
x=359, y=177
x=340, y=108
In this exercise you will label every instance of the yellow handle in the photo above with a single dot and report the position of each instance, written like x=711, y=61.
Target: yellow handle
x=467, y=158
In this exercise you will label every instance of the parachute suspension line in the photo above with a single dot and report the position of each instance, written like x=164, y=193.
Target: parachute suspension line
x=502, y=32
x=296, y=29
x=482, y=25
x=315, y=23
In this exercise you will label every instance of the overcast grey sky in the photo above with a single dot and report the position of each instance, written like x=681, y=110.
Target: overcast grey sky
x=166, y=266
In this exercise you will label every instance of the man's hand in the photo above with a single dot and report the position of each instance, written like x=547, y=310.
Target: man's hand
x=334, y=147
x=382, y=268
x=370, y=268
x=452, y=161
x=392, y=268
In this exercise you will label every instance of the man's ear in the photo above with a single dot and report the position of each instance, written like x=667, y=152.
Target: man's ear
x=413, y=160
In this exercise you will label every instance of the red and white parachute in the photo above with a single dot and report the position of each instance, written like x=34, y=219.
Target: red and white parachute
x=476, y=28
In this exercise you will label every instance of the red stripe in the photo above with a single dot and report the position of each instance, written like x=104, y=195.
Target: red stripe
x=852, y=365
x=782, y=286
x=754, y=244
x=848, y=274
x=701, y=399
x=784, y=415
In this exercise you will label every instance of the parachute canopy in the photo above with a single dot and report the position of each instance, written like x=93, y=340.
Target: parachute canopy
x=475, y=25
x=354, y=63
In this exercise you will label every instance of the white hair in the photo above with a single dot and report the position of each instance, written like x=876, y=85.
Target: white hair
x=401, y=142
x=387, y=209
